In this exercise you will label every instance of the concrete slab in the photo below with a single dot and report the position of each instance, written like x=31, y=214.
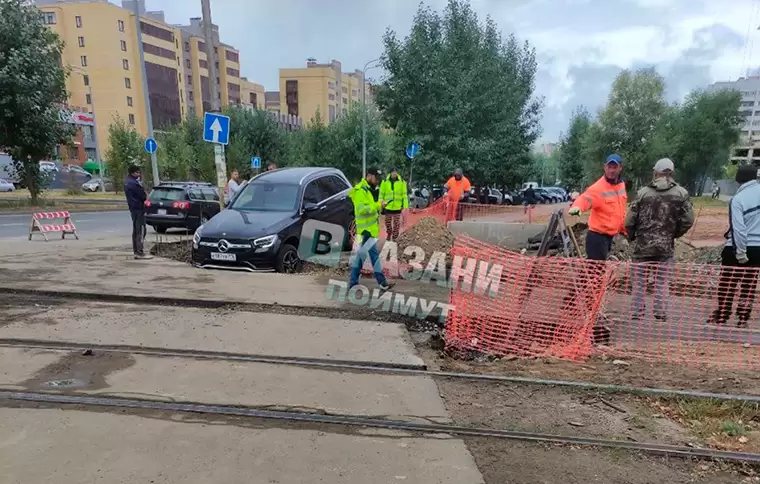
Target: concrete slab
x=99, y=267
x=76, y=447
x=413, y=398
x=214, y=330
x=508, y=235
x=19, y=363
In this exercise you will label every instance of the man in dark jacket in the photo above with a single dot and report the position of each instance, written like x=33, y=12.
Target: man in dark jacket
x=661, y=213
x=135, y=194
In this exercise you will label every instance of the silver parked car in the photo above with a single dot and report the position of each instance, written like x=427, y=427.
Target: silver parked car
x=6, y=186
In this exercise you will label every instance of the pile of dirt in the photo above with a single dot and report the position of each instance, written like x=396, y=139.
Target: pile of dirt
x=428, y=234
x=179, y=251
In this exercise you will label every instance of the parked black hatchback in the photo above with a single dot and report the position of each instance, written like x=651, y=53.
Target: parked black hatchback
x=181, y=205
x=261, y=228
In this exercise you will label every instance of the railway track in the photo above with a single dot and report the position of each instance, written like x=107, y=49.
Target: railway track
x=350, y=420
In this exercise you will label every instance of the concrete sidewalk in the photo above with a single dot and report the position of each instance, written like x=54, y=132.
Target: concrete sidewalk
x=105, y=265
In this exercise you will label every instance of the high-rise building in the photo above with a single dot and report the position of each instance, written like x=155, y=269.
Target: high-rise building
x=253, y=94
x=320, y=87
x=101, y=49
x=748, y=148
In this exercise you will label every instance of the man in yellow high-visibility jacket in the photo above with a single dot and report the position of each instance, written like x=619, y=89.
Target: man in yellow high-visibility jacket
x=394, y=193
x=367, y=218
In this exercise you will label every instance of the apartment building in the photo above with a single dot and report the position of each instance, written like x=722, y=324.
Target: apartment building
x=103, y=52
x=319, y=87
x=748, y=148
x=253, y=94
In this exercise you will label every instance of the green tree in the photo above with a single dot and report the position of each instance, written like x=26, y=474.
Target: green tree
x=462, y=91
x=346, y=142
x=126, y=148
x=709, y=128
x=183, y=155
x=627, y=125
x=571, y=150
x=254, y=133
x=317, y=143
x=32, y=89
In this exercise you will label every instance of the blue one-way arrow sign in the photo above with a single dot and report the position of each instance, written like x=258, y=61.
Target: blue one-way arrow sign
x=151, y=146
x=412, y=150
x=256, y=162
x=216, y=128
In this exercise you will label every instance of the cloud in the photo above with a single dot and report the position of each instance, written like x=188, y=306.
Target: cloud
x=581, y=44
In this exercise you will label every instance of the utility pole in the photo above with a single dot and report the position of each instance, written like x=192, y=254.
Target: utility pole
x=364, y=114
x=146, y=92
x=216, y=102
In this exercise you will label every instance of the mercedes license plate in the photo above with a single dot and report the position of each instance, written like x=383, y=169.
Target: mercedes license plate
x=221, y=256
x=161, y=211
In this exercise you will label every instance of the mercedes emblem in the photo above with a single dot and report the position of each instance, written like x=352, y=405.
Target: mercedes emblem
x=223, y=245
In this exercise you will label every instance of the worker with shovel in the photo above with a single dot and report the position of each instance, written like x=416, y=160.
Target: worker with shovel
x=607, y=200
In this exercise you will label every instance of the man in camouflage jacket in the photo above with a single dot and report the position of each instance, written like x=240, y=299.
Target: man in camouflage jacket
x=661, y=213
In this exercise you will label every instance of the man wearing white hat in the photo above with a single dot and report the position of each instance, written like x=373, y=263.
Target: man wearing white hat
x=661, y=213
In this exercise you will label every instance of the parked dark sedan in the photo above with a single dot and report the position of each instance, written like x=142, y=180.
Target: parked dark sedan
x=261, y=228
x=185, y=205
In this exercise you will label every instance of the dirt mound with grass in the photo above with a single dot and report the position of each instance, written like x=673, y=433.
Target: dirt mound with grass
x=180, y=251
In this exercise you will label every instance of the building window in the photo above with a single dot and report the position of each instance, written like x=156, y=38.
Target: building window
x=124, y=45
x=232, y=56
x=187, y=46
x=233, y=72
x=331, y=109
x=48, y=18
x=330, y=85
x=253, y=98
x=129, y=101
x=125, y=64
x=188, y=64
x=88, y=98
x=158, y=51
x=78, y=21
x=189, y=80
x=128, y=83
x=81, y=41
x=131, y=118
x=345, y=90
x=216, y=64
x=331, y=97
x=190, y=96
x=291, y=97
x=201, y=45
x=203, y=64
x=345, y=101
x=157, y=32
x=216, y=50
x=121, y=25
x=83, y=60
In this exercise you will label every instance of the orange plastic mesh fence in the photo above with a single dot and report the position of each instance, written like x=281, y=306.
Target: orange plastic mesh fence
x=684, y=313
x=526, y=306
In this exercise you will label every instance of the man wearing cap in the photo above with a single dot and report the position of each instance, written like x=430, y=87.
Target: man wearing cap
x=367, y=218
x=456, y=188
x=394, y=193
x=661, y=213
x=742, y=250
x=607, y=200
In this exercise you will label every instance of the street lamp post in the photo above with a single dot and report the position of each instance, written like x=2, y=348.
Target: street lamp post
x=367, y=66
x=94, y=130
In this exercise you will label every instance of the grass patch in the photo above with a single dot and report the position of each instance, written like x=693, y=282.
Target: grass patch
x=724, y=424
x=46, y=203
x=75, y=193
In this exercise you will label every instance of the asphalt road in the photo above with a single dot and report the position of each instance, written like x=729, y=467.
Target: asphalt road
x=16, y=226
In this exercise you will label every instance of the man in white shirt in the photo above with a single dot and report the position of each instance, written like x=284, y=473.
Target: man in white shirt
x=233, y=186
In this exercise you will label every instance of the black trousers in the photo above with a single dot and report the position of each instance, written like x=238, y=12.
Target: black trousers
x=730, y=277
x=598, y=245
x=392, y=224
x=138, y=231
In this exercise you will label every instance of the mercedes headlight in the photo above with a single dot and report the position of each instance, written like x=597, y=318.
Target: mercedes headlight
x=263, y=243
x=197, y=237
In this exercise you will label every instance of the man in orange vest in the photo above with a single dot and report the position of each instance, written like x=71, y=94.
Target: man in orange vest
x=457, y=188
x=607, y=200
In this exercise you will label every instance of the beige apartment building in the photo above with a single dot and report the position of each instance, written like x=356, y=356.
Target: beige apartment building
x=319, y=87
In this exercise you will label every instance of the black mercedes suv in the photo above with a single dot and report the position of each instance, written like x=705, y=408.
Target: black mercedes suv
x=260, y=229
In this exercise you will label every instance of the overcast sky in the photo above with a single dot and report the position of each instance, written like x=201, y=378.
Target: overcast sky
x=581, y=44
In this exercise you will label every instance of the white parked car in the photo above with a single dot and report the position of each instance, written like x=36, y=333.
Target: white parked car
x=6, y=186
x=48, y=166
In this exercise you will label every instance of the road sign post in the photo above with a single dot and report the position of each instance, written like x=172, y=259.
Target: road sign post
x=216, y=129
x=412, y=150
x=256, y=164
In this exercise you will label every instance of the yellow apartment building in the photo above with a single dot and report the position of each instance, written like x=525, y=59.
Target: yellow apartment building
x=253, y=94
x=319, y=87
x=102, y=51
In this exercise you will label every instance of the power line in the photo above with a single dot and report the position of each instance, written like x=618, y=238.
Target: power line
x=747, y=49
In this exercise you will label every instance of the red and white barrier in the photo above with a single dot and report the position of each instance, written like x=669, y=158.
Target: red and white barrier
x=37, y=227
